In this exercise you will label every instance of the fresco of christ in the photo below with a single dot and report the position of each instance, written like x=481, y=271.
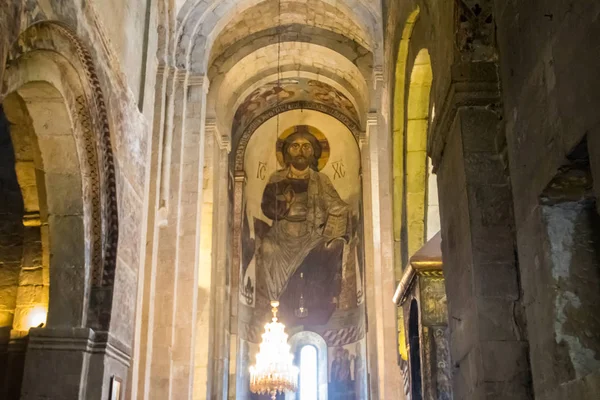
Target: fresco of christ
x=301, y=254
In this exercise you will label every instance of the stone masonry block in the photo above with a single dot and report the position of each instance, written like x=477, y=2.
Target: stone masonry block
x=31, y=294
x=67, y=240
x=65, y=197
x=496, y=280
x=490, y=205
x=32, y=276
x=9, y=274
x=503, y=360
x=497, y=320
x=481, y=131
x=59, y=154
x=8, y=297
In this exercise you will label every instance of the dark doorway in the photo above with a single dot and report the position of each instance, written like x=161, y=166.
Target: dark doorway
x=415, y=352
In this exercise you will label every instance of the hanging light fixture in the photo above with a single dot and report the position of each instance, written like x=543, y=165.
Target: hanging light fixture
x=274, y=371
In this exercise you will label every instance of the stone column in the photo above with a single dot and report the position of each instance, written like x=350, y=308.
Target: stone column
x=238, y=348
x=219, y=339
x=188, y=238
x=162, y=305
x=147, y=275
x=488, y=343
x=67, y=359
x=202, y=320
x=172, y=291
x=384, y=372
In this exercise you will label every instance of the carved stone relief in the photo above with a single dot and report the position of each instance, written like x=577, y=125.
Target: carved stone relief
x=475, y=30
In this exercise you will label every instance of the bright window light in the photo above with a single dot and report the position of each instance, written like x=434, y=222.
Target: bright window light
x=308, y=373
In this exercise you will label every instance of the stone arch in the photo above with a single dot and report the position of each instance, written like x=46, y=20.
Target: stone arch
x=45, y=149
x=259, y=81
x=307, y=14
x=50, y=54
x=307, y=338
x=337, y=42
x=225, y=115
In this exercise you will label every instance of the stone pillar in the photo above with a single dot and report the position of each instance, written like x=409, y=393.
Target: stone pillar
x=32, y=298
x=144, y=337
x=489, y=348
x=188, y=238
x=238, y=347
x=66, y=359
x=219, y=339
x=385, y=375
x=172, y=292
x=202, y=321
x=162, y=299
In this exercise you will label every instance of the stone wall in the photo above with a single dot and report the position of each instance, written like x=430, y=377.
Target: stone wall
x=534, y=59
x=11, y=228
x=550, y=87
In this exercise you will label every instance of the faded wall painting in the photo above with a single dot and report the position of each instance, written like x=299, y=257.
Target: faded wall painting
x=290, y=90
x=301, y=232
x=347, y=372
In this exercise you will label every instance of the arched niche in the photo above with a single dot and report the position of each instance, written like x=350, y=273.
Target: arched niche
x=52, y=74
x=307, y=338
x=46, y=157
x=38, y=109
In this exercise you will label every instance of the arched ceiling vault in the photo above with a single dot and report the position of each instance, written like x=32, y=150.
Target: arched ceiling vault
x=311, y=13
x=204, y=24
x=348, y=48
x=226, y=88
x=244, y=46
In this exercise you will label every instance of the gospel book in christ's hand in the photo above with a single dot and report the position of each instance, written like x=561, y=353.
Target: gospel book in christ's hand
x=335, y=227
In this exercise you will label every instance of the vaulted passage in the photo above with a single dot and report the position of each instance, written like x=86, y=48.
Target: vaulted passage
x=299, y=200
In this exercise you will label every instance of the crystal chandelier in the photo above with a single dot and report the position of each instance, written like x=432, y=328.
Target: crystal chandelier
x=274, y=371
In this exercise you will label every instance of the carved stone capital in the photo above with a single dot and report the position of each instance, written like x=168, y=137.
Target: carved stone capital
x=223, y=141
x=163, y=69
x=371, y=125
x=199, y=80
x=472, y=85
x=378, y=77
x=476, y=31
x=180, y=75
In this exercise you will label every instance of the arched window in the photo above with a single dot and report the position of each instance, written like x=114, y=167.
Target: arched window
x=310, y=355
x=308, y=373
